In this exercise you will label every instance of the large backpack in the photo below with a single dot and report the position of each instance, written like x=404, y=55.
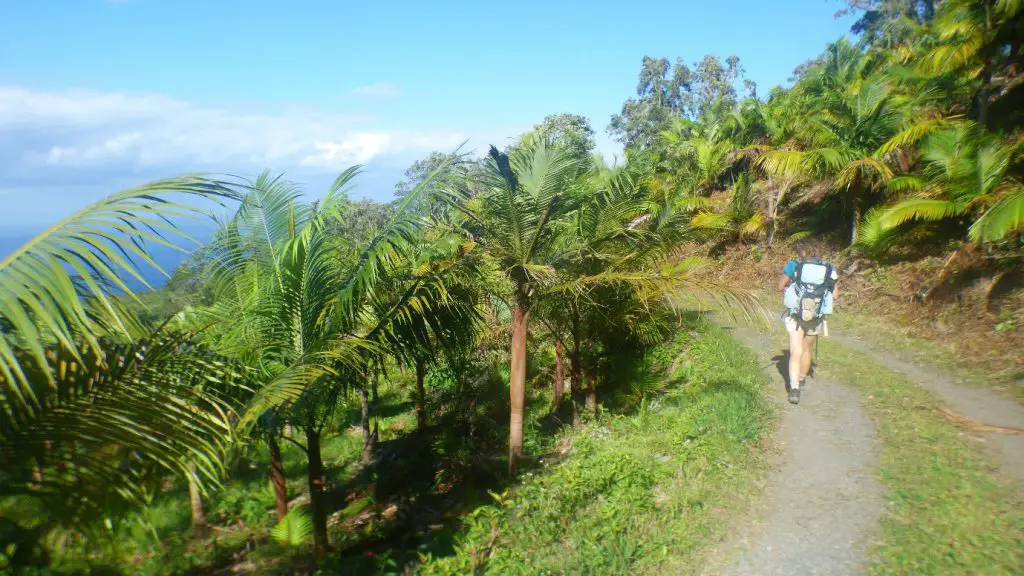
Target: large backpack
x=812, y=288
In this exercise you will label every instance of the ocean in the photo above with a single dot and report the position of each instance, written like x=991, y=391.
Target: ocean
x=166, y=258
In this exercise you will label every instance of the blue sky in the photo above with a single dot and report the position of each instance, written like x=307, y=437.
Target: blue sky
x=97, y=95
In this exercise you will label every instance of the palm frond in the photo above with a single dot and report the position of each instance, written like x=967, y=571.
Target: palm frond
x=114, y=415
x=791, y=163
x=916, y=209
x=713, y=220
x=870, y=169
x=900, y=184
x=912, y=135
x=61, y=284
x=387, y=246
x=872, y=236
x=1003, y=218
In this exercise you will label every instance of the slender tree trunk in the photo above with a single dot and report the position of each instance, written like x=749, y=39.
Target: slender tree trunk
x=421, y=397
x=855, y=223
x=60, y=464
x=277, y=477
x=986, y=71
x=37, y=473
x=558, y=389
x=195, y=499
x=772, y=209
x=575, y=371
x=317, y=496
x=364, y=400
x=592, y=391
x=517, y=385
x=373, y=389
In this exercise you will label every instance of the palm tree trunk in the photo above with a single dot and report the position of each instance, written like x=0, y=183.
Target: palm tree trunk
x=575, y=371
x=592, y=391
x=772, y=208
x=37, y=473
x=558, y=389
x=421, y=397
x=517, y=384
x=855, y=223
x=986, y=71
x=373, y=389
x=277, y=477
x=317, y=503
x=195, y=499
x=364, y=400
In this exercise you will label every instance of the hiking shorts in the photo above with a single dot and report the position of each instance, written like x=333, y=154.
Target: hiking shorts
x=812, y=328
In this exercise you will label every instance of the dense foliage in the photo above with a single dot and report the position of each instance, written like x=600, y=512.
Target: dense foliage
x=529, y=267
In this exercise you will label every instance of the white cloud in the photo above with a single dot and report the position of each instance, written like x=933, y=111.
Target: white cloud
x=379, y=90
x=81, y=129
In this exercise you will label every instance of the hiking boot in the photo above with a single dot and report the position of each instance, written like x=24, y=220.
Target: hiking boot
x=803, y=382
x=794, y=395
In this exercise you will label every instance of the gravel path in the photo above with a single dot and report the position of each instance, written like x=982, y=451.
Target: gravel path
x=974, y=402
x=822, y=502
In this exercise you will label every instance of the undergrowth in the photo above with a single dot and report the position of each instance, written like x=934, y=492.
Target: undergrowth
x=645, y=489
x=949, y=512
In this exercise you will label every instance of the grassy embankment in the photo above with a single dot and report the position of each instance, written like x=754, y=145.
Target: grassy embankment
x=647, y=489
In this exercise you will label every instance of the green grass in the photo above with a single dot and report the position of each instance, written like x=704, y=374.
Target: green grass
x=949, y=513
x=647, y=490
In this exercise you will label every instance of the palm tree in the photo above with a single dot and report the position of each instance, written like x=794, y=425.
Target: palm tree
x=311, y=314
x=741, y=219
x=774, y=125
x=511, y=221
x=967, y=172
x=615, y=257
x=441, y=259
x=853, y=114
x=697, y=156
x=973, y=36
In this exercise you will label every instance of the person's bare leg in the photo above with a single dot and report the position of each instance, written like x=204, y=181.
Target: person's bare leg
x=807, y=357
x=796, y=352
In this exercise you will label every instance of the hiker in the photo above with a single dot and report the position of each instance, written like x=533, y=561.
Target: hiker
x=809, y=288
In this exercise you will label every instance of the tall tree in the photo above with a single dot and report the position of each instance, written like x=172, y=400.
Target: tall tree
x=851, y=113
x=665, y=92
x=309, y=311
x=570, y=131
x=511, y=220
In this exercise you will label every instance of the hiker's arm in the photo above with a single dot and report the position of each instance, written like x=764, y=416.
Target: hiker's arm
x=783, y=282
x=835, y=289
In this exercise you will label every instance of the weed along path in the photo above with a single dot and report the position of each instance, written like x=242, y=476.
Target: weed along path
x=996, y=420
x=822, y=502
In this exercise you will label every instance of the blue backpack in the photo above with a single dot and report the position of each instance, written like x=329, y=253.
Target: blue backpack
x=809, y=295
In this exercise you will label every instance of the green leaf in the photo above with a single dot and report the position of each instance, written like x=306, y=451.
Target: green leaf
x=295, y=529
x=1002, y=219
x=58, y=286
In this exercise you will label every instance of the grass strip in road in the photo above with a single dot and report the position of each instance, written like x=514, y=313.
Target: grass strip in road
x=950, y=512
